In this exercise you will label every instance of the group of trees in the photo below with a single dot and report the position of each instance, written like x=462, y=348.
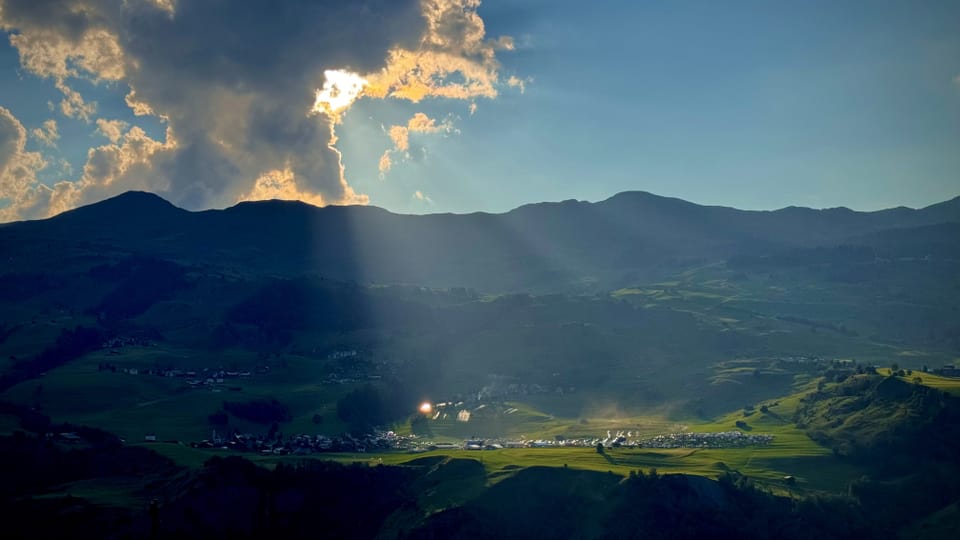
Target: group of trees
x=70, y=344
x=884, y=420
x=141, y=282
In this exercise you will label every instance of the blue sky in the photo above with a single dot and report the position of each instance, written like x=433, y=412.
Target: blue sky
x=747, y=104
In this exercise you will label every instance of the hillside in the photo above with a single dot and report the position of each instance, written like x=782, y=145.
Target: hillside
x=567, y=246
x=134, y=283
x=280, y=332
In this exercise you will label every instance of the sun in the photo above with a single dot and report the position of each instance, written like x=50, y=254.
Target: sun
x=426, y=407
x=340, y=89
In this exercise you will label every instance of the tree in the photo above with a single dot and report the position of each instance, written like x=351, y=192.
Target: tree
x=600, y=449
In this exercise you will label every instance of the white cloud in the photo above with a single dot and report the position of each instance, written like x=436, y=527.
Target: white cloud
x=453, y=59
x=111, y=129
x=400, y=135
x=18, y=168
x=47, y=134
x=516, y=82
x=419, y=196
x=73, y=105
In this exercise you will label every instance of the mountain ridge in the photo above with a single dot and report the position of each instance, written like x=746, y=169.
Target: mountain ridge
x=627, y=238
x=951, y=205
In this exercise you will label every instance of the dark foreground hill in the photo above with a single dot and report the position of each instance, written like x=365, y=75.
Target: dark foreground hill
x=571, y=245
x=233, y=498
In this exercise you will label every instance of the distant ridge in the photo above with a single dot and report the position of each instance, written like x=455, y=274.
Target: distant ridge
x=545, y=246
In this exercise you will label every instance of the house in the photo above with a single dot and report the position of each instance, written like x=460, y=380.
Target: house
x=445, y=446
x=949, y=371
x=150, y=438
x=69, y=437
x=474, y=444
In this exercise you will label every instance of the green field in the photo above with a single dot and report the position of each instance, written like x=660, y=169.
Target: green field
x=133, y=406
x=792, y=452
x=947, y=384
x=814, y=471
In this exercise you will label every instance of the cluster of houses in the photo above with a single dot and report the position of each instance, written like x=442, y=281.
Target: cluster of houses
x=801, y=359
x=349, y=367
x=211, y=378
x=724, y=439
x=625, y=439
x=119, y=342
x=388, y=440
x=948, y=371
x=306, y=444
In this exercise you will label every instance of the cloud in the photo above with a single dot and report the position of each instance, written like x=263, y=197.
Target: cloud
x=516, y=82
x=418, y=195
x=47, y=134
x=454, y=58
x=386, y=163
x=251, y=94
x=111, y=129
x=280, y=184
x=59, y=51
x=73, y=105
x=400, y=135
x=18, y=168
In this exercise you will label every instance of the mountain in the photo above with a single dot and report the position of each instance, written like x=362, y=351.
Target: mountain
x=569, y=245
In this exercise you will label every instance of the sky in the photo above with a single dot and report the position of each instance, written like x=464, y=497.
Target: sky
x=423, y=106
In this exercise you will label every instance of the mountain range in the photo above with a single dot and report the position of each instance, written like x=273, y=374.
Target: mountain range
x=546, y=247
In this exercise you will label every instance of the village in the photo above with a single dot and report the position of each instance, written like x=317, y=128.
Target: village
x=379, y=441
x=345, y=367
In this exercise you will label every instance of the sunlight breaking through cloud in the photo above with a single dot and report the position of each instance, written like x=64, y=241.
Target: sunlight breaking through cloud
x=454, y=60
x=340, y=89
x=244, y=119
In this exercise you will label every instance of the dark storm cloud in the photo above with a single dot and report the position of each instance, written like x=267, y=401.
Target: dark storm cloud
x=236, y=84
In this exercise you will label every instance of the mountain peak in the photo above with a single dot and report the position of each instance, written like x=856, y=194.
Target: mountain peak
x=133, y=201
x=127, y=208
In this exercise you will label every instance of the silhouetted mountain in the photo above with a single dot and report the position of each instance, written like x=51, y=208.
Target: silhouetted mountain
x=137, y=210
x=630, y=237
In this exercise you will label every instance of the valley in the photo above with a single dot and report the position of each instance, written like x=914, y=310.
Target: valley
x=805, y=366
